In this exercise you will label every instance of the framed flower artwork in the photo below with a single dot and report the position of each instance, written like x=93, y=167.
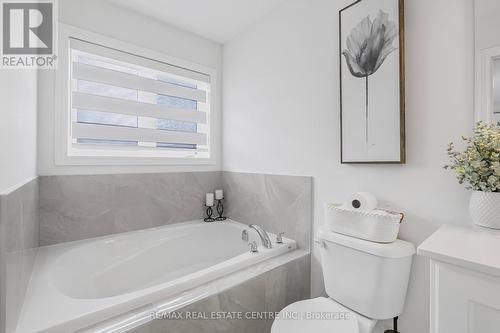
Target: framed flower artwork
x=372, y=82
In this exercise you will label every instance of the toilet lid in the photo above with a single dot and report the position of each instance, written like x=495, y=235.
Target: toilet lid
x=318, y=315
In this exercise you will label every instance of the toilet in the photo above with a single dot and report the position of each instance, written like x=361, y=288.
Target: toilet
x=365, y=282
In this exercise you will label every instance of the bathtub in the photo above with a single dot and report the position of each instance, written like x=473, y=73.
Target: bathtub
x=78, y=284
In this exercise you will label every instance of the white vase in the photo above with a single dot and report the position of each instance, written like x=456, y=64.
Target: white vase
x=484, y=208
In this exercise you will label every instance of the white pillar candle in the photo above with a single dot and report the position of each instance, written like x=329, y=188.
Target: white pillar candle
x=209, y=201
x=219, y=194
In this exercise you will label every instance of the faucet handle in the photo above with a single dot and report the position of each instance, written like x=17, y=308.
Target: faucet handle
x=253, y=247
x=279, y=238
x=244, y=235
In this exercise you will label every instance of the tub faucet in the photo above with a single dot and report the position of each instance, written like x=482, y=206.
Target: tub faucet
x=264, y=237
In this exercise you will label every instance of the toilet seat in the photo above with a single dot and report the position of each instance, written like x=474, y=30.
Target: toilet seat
x=318, y=315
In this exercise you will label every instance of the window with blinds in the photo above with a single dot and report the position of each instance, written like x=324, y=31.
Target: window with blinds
x=127, y=105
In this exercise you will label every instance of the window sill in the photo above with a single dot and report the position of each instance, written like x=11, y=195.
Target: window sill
x=97, y=161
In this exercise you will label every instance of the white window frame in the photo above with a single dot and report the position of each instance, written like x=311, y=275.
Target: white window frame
x=63, y=104
x=485, y=60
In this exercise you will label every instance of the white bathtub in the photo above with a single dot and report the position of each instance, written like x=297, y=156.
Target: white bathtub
x=78, y=284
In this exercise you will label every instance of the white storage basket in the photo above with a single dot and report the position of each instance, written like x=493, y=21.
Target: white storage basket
x=377, y=225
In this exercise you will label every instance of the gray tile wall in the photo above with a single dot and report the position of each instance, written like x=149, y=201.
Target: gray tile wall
x=19, y=228
x=276, y=203
x=270, y=291
x=79, y=207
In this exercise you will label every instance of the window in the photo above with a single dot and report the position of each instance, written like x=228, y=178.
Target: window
x=123, y=106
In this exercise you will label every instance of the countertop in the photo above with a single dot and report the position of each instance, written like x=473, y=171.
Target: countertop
x=468, y=246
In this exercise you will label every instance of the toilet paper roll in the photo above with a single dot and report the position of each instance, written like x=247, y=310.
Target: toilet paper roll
x=362, y=201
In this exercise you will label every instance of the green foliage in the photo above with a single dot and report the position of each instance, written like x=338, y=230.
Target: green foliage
x=478, y=166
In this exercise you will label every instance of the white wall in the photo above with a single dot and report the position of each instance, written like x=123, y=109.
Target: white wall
x=107, y=19
x=18, y=132
x=281, y=116
x=487, y=24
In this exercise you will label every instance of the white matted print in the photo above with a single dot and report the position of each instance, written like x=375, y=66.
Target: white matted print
x=372, y=82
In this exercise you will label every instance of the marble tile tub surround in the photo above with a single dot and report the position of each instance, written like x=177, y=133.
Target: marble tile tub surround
x=268, y=292
x=79, y=207
x=275, y=202
x=19, y=232
x=84, y=206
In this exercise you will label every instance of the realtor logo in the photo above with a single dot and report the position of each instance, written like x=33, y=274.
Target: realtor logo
x=28, y=34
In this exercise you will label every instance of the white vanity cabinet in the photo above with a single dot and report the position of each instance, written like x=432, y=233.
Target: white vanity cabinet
x=464, y=279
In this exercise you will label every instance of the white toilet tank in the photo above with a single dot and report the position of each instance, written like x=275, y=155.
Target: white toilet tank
x=369, y=278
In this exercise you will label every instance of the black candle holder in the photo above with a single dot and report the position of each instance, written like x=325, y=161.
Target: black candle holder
x=209, y=217
x=220, y=210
